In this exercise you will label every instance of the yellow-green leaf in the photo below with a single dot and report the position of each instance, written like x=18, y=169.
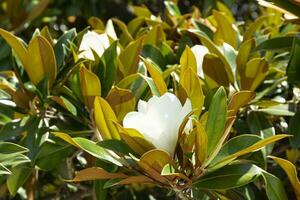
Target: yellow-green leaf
x=240, y=99
x=156, y=76
x=96, y=173
x=200, y=143
x=135, y=140
x=46, y=34
x=214, y=71
x=187, y=60
x=255, y=72
x=291, y=172
x=105, y=119
x=254, y=27
x=155, y=36
x=17, y=45
x=96, y=23
x=129, y=57
x=244, y=55
x=215, y=50
x=228, y=14
x=41, y=60
x=90, y=86
x=192, y=86
x=225, y=31
x=156, y=159
x=122, y=101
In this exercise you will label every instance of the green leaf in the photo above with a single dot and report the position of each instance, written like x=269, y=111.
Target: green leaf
x=64, y=102
x=293, y=68
x=4, y=170
x=89, y=147
x=116, y=146
x=172, y=8
x=275, y=44
x=17, y=178
x=259, y=124
x=9, y=150
x=247, y=149
x=274, y=187
x=154, y=54
x=294, y=130
x=61, y=44
x=228, y=177
x=203, y=28
x=52, y=154
x=109, y=59
x=216, y=120
x=235, y=145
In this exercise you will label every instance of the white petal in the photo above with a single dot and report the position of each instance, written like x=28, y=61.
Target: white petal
x=93, y=41
x=199, y=51
x=144, y=125
x=159, y=120
x=142, y=106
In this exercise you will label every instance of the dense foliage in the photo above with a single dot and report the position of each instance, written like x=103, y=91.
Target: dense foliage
x=171, y=100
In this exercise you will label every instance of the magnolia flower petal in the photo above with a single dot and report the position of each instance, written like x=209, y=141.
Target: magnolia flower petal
x=159, y=120
x=145, y=125
x=199, y=52
x=92, y=41
x=142, y=106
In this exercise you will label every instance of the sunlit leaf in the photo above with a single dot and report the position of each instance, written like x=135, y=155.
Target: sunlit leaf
x=104, y=119
x=291, y=172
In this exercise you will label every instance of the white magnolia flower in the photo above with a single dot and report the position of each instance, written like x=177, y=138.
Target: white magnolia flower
x=92, y=40
x=159, y=120
x=199, y=52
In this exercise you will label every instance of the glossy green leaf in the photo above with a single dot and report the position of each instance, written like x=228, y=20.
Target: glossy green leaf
x=242, y=149
x=274, y=187
x=88, y=146
x=216, y=120
x=228, y=177
x=61, y=44
x=17, y=178
x=293, y=69
x=294, y=130
x=275, y=44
